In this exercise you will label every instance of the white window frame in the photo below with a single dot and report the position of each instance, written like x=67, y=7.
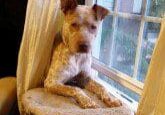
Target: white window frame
x=129, y=82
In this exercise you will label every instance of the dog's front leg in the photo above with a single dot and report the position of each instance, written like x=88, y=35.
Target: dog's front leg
x=82, y=99
x=102, y=93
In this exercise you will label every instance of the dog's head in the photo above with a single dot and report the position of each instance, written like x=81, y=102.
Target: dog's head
x=81, y=25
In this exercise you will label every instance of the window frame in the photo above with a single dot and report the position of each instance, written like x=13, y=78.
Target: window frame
x=129, y=82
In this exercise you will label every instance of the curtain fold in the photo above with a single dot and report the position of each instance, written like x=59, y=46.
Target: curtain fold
x=153, y=97
x=43, y=21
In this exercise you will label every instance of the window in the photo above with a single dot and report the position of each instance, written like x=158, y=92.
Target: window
x=125, y=43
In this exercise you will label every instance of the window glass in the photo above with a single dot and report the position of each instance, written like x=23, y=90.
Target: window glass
x=118, y=52
x=156, y=8
x=106, y=40
x=130, y=6
x=150, y=35
x=124, y=45
x=117, y=40
x=109, y=4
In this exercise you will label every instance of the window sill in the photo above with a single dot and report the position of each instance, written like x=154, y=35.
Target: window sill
x=117, y=76
x=133, y=105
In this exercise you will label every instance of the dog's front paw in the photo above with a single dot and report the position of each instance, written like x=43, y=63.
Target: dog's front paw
x=112, y=103
x=116, y=103
x=88, y=103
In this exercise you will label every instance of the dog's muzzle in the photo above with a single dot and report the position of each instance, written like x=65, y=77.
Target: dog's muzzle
x=84, y=48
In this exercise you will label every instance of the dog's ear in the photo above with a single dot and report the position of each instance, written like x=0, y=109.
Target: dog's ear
x=67, y=5
x=100, y=12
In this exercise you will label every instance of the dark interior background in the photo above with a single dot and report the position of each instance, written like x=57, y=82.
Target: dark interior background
x=12, y=16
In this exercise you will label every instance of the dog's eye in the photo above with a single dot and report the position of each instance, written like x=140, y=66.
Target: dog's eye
x=93, y=27
x=74, y=25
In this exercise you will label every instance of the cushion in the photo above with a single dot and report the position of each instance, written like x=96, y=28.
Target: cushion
x=40, y=102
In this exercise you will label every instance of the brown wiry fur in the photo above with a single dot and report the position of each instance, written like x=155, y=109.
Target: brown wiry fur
x=71, y=61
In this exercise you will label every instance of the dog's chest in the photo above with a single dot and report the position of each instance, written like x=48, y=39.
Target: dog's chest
x=79, y=63
x=68, y=64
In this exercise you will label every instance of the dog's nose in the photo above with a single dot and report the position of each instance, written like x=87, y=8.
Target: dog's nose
x=83, y=47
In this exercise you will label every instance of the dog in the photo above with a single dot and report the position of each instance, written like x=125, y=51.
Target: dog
x=70, y=68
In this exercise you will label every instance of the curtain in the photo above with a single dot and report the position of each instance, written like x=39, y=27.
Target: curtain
x=43, y=21
x=153, y=97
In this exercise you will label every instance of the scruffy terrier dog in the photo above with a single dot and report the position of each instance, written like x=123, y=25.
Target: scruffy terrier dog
x=70, y=68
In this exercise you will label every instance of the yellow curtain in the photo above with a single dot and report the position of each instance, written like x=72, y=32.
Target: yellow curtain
x=153, y=97
x=42, y=19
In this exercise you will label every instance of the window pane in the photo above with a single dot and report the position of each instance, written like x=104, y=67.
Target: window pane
x=128, y=94
x=149, y=38
x=124, y=45
x=109, y=4
x=130, y=6
x=106, y=40
x=103, y=42
x=156, y=8
x=118, y=52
